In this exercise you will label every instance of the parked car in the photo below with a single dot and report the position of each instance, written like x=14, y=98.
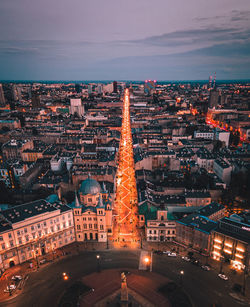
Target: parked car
x=166, y=252
x=16, y=277
x=171, y=254
x=222, y=276
x=205, y=268
x=10, y=288
x=186, y=258
x=43, y=261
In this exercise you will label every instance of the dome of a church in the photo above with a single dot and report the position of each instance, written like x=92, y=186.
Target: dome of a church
x=90, y=186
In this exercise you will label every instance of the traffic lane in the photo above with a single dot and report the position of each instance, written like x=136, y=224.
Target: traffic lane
x=45, y=287
x=204, y=287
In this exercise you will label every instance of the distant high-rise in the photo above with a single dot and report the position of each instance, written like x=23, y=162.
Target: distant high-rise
x=35, y=99
x=210, y=82
x=8, y=93
x=149, y=86
x=115, y=87
x=214, y=98
x=2, y=99
x=90, y=89
x=78, y=88
x=76, y=107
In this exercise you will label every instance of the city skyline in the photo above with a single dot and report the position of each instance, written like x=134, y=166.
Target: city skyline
x=103, y=41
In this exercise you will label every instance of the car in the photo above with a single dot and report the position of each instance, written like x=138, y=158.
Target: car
x=222, y=276
x=42, y=261
x=195, y=262
x=16, y=277
x=171, y=254
x=185, y=258
x=166, y=252
x=205, y=268
x=10, y=288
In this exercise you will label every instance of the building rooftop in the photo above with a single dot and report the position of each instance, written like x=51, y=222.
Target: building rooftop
x=25, y=211
x=210, y=209
x=198, y=222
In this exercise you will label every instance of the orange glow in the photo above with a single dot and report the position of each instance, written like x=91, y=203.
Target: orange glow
x=125, y=226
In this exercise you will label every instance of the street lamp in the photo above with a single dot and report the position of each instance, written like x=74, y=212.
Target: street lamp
x=65, y=276
x=181, y=277
x=98, y=263
x=147, y=262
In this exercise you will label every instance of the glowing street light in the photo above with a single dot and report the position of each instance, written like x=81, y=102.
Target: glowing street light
x=65, y=276
x=181, y=277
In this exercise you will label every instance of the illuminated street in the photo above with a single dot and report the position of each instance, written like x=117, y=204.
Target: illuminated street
x=126, y=214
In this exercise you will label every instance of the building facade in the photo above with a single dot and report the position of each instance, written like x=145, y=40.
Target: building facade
x=231, y=241
x=34, y=229
x=160, y=229
x=92, y=212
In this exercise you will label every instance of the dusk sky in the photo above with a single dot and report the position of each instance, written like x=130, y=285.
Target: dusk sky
x=133, y=39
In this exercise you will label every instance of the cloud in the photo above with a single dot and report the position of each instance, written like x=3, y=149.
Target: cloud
x=200, y=36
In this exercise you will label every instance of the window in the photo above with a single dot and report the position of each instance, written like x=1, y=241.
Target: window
x=150, y=231
x=33, y=235
x=58, y=227
x=25, y=230
x=101, y=227
x=85, y=226
x=32, y=228
x=12, y=244
x=3, y=246
x=78, y=227
x=38, y=226
x=90, y=219
x=27, y=238
x=1, y=238
x=162, y=217
x=44, y=224
x=10, y=236
x=89, y=200
x=18, y=233
x=64, y=225
x=90, y=226
x=69, y=223
x=95, y=226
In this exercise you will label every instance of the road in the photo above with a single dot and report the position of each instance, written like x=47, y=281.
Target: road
x=125, y=229
x=45, y=287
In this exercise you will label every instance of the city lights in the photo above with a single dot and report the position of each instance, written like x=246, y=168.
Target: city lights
x=125, y=226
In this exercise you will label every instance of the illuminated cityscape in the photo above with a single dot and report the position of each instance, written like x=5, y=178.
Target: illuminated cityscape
x=124, y=153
